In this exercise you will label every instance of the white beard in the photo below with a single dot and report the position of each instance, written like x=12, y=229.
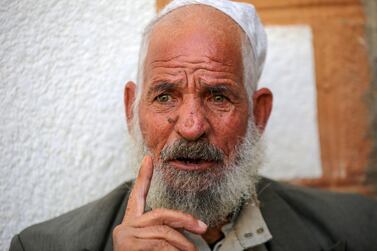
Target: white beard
x=212, y=195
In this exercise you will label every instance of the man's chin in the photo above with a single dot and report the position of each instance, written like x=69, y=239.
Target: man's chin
x=205, y=200
x=190, y=180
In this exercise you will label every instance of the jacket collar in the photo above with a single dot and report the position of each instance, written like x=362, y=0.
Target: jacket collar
x=287, y=229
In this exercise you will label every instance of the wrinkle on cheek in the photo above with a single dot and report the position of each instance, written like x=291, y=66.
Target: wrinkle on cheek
x=171, y=120
x=217, y=113
x=156, y=129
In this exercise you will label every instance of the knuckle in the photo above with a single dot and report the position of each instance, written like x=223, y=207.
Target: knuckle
x=117, y=230
x=159, y=212
x=164, y=230
x=162, y=244
x=191, y=219
x=120, y=232
x=191, y=246
x=160, y=215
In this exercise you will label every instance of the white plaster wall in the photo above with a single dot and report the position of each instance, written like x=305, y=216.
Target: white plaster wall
x=292, y=139
x=63, y=65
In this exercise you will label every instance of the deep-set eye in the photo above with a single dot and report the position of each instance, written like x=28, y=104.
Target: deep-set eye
x=163, y=98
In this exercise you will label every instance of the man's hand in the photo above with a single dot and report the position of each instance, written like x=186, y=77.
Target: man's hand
x=154, y=230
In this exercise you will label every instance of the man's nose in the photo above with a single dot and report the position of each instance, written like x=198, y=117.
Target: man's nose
x=192, y=123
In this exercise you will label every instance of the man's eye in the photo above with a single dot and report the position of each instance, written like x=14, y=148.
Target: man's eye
x=219, y=98
x=163, y=98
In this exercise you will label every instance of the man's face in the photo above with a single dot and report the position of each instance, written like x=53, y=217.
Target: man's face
x=194, y=116
x=193, y=90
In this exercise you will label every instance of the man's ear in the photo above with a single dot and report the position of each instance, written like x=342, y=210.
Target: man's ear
x=129, y=99
x=262, y=106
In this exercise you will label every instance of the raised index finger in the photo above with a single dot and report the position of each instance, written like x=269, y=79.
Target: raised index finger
x=136, y=201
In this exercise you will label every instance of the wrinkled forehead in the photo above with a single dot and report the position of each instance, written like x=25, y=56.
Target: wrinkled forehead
x=196, y=31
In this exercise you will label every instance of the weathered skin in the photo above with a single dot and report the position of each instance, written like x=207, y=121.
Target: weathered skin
x=193, y=89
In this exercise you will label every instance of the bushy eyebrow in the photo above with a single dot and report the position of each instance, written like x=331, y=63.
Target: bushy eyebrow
x=218, y=89
x=161, y=87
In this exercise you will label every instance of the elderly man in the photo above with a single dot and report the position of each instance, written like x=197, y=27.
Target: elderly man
x=196, y=118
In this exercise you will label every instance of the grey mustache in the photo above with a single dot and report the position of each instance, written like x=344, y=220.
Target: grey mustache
x=183, y=149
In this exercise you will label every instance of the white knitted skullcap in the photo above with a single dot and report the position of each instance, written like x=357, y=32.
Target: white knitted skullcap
x=245, y=16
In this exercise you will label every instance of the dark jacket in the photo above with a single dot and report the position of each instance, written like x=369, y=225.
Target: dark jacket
x=298, y=219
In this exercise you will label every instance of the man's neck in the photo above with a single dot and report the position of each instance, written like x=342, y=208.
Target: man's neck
x=213, y=235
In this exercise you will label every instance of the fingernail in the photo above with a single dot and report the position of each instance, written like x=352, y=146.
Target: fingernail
x=202, y=224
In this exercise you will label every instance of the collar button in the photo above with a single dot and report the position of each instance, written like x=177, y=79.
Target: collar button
x=248, y=235
x=260, y=230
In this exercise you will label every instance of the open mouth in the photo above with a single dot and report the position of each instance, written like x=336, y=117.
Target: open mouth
x=190, y=161
x=192, y=164
x=192, y=156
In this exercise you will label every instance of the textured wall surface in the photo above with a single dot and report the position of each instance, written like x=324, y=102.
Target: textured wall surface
x=292, y=140
x=63, y=68
x=63, y=65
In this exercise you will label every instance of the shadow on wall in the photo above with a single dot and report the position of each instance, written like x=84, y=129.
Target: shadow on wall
x=370, y=7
